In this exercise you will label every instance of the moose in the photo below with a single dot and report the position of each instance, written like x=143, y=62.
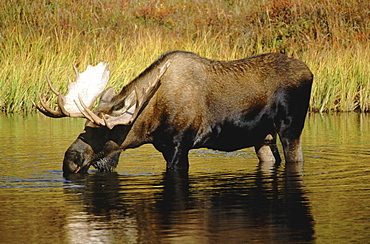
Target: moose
x=183, y=101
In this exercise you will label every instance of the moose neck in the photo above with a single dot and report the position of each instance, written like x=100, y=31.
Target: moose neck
x=134, y=135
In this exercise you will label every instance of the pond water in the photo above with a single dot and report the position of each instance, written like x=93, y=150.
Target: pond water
x=225, y=198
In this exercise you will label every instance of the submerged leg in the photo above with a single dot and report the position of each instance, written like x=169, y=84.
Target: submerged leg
x=292, y=149
x=289, y=127
x=267, y=151
x=290, y=137
x=176, y=158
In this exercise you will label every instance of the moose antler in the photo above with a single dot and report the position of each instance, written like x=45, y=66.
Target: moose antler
x=87, y=87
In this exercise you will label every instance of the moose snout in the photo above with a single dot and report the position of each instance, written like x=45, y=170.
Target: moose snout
x=70, y=167
x=77, y=158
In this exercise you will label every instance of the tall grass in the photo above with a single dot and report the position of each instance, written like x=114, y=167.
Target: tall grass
x=46, y=37
x=341, y=82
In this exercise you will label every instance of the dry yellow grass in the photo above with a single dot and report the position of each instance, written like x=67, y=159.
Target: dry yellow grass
x=39, y=38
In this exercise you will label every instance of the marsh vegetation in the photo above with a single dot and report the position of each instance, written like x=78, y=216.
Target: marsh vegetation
x=45, y=37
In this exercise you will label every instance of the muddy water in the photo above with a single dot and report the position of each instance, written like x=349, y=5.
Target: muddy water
x=225, y=198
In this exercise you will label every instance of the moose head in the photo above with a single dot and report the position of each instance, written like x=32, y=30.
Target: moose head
x=106, y=127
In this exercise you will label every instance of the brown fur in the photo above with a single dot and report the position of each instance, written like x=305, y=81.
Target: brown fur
x=223, y=105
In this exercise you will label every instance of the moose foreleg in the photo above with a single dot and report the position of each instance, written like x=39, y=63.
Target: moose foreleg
x=177, y=158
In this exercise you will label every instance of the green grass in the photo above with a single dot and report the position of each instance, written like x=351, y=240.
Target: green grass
x=45, y=38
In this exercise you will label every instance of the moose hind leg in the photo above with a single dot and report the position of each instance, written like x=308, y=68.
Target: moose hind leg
x=290, y=137
x=290, y=120
x=292, y=149
x=267, y=151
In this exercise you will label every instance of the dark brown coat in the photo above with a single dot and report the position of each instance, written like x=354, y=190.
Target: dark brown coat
x=222, y=105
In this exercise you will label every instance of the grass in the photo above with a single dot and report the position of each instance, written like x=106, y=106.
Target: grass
x=46, y=37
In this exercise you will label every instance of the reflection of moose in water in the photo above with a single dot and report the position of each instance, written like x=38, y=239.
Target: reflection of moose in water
x=266, y=206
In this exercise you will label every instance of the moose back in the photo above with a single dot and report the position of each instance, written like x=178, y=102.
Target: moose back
x=183, y=101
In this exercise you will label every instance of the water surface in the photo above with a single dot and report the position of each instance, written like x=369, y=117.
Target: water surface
x=225, y=198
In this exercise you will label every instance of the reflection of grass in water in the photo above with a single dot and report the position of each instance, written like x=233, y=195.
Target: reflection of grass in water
x=45, y=38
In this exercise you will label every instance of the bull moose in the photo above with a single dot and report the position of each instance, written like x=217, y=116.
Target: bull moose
x=183, y=101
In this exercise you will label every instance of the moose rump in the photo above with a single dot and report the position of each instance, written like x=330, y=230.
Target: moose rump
x=183, y=101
